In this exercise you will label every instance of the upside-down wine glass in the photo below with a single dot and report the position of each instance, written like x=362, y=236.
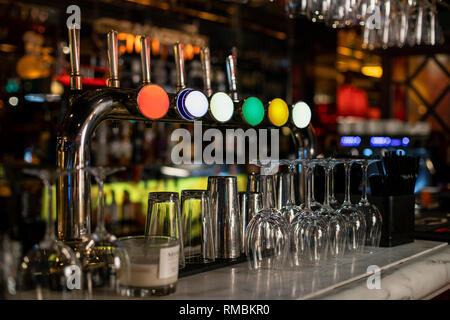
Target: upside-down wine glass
x=355, y=223
x=267, y=237
x=370, y=211
x=266, y=185
x=318, y=9
x=105, y=261
x=308, y=229
x=50, y=269
x=295, y=8
x=335, y=222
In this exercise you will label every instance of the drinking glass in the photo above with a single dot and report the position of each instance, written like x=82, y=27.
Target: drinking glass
x=386, y=15
x=422, y=22
x=51, y=268
x=434, y=35
x=266, y=185
x=295, y=8
x=398, y=24
x=335, y=222
x=360, y=10
x=355, y=224
x=104, y=260
x=371, y=213
x=197, y=226
x=249, y=205
x=415, y=15
x=308, y=229
x=163, y=218
x=318, y=9
x=372, y=30
x=340, y=13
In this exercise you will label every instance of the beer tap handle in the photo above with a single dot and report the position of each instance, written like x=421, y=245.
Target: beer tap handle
x=179, y=65
x=206, y=70
x=232, y=77
x=74, y=46
x=145, y=59
x=113, y=57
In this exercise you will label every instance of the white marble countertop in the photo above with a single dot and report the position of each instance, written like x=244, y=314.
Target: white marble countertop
x=412, y=271
x=417, y=270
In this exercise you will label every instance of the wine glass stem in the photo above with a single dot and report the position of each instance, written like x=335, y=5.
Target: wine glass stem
x=364, y=184
x=290, y=189
x=327, y=187
x=347, y=183
x=308, y=187
x=312, y=185
x=50, y=228
x=100, y=229
x=332, y=183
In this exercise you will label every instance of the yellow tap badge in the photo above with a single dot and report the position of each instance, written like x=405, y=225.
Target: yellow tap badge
x=278, y=112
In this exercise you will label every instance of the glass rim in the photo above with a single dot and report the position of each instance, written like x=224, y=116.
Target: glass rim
x=163, y=196
x=168, y=239
x=222, y=177
x=194, y=193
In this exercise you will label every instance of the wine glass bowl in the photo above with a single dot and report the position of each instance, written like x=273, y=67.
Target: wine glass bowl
x=309, y=239
x=373, y=220
x=47, y=269
x=371, y=213
x=335, y=222
x=266, y=241
x=355, y=224
x=316, y=235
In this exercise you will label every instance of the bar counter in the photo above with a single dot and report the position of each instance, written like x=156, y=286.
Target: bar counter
x=418, y=270
x=412, y=271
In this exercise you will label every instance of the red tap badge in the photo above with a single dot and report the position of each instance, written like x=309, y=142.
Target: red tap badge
x=153, y=101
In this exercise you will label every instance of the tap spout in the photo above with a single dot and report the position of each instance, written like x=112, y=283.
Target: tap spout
x=85, y=113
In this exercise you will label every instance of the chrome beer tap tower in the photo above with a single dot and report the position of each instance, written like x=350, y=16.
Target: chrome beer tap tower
x=87, y=109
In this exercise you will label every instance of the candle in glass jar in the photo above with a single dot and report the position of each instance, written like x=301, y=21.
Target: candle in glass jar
x=154, y=272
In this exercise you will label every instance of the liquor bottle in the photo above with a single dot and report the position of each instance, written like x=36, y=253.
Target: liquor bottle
x=113, y=208
x=127, y=212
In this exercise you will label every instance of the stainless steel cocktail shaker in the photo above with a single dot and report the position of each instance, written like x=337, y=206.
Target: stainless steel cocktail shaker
x=225, y=216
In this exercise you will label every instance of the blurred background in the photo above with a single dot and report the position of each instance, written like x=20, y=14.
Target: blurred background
x=366, y=99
